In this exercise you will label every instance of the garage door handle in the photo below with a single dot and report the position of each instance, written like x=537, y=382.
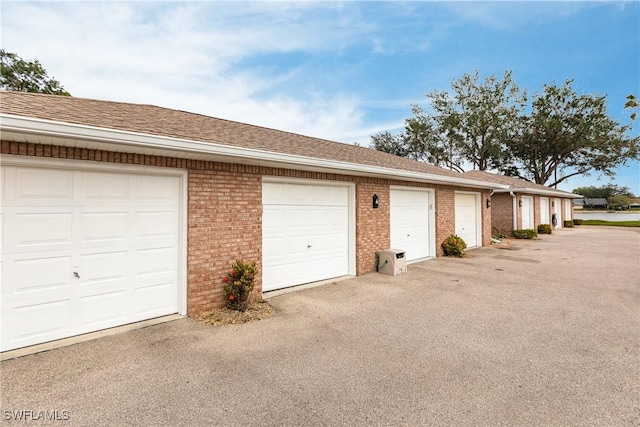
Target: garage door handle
x=308, y=246
x=75, y=273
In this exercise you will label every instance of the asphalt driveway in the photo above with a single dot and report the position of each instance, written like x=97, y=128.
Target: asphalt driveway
x=545, y=334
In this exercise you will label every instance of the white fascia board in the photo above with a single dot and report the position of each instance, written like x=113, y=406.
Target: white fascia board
x=34, y=126
x=549, y=192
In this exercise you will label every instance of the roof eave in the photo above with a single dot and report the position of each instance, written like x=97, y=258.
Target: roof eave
x=125, y=139
x=550, y=192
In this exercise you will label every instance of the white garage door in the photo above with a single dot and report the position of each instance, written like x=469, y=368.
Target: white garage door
x=467, y=217
x=527, y=212
x=567, y=209
x=85, y=250
x=557, y=210
x=305, y=233
x=544, y=210
x=409, y=216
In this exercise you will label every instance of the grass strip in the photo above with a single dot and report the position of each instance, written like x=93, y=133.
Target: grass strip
x=611, y=223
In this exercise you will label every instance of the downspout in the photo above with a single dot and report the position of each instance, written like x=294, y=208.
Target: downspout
x=515, y=211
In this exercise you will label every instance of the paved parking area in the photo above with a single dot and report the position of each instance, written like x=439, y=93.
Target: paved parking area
x=545, y=334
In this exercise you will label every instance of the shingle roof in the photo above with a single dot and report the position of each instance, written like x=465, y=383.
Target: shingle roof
x=512, y=182
x=158, y=121
x=594, y=202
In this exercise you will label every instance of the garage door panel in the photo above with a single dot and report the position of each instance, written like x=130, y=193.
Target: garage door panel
x=41, y=273
x=327, y=196
x=305, y=233
x=151, y=189
x=28, y=320
x=273, y=194
x=527, y=212
x=104, y=267
x=103, y=310
x=100, y=226
x=119, y=231
x=42, y=184
x=466, y=218
x=409, y=218
x=155, y=224
x=154, y=261
x=544, y=211
x=156, y=300
x=109, y=187
x=43, y=228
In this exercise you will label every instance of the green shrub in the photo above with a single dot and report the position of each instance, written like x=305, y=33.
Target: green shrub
x=544, y=229
x=239, y=284
x=568, y=224
x=577, y=222
x=454, y=246
x=525, y=234
x=497, y=234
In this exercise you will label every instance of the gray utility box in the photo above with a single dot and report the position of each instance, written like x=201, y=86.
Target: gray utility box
x=392, y=262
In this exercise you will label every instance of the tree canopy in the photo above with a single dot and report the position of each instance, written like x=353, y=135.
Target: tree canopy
x=567, y=134
x=603, y=192
x=633, y=105
x=26, y=76
x=491, y=124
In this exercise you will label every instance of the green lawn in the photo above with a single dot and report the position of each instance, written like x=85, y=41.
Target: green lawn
x=612, y=223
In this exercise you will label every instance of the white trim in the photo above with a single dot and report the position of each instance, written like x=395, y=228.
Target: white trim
x=49, y=163
x=120, y=140
x=432, y=217
x=479, y=223
x=351, y=186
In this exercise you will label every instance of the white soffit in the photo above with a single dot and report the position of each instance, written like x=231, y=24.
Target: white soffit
x=549, y=192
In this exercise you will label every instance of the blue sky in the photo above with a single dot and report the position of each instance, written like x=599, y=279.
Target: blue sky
x=341, y=71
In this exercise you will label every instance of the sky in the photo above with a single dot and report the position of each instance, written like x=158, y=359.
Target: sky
x=336, y=70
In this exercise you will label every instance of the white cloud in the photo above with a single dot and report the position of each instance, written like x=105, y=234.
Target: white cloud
x=188, y=56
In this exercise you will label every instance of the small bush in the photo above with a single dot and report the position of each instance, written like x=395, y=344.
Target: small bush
x=544, y=229
x=525, y=234
x=497, y=234
x=239, y=284
x=454, y=246
x=568, y=224
x=577, y=222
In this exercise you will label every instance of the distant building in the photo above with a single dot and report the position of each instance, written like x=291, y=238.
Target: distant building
x=593, y=203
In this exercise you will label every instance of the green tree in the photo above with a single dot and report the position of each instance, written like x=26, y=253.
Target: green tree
x=26, y=76
x=418, y=141
x=468, y=124
x=478, y=117
x=567, y=134
x=389, y=143
x=619, y=201
x=603, y=192
x=633, y=105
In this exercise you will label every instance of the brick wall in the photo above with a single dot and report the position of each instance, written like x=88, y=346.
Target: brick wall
x=445, y=216
x=486, y=219
x=372, y=225
x=502, y=213
x=225, y=213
